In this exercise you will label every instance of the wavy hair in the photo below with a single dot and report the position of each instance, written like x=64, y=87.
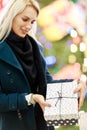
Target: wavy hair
x=16, y=7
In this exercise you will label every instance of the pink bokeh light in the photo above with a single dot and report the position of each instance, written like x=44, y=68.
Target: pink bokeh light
x=2, y=4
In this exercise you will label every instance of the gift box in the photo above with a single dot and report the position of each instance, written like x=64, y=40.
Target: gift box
x=64, y=104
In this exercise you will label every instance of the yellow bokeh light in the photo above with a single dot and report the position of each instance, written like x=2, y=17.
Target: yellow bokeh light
x=72, y=58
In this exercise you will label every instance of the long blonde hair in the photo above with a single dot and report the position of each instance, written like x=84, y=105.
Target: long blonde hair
x=16, y=7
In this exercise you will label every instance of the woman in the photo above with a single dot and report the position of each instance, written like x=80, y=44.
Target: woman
x=23, y=71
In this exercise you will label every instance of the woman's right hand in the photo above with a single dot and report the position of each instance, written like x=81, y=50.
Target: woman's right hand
x=41, y=101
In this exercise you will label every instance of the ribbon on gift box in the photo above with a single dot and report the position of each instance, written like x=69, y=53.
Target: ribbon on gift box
x=59, y=98
x=61, y=121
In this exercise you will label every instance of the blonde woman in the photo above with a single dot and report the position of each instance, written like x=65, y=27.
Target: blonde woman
x=21, y=85
x=23, y=71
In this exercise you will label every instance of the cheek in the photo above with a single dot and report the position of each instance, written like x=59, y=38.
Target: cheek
x=15, y=25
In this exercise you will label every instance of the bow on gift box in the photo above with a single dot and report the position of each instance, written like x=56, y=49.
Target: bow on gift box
x=59, y=97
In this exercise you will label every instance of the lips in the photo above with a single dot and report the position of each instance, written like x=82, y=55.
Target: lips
x=25, y=31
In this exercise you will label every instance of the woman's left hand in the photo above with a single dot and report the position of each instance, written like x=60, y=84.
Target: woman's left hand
x=81, y=89
x=41, y=101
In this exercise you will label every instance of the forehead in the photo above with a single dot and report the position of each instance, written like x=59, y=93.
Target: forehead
x=29, y=11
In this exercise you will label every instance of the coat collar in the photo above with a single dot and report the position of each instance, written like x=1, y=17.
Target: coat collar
x=7, y=55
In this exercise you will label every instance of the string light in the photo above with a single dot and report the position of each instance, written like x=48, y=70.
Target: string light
x=85, y=61
x=73, y=48
x=82, y=46
x=73, y=33
x=83, y=77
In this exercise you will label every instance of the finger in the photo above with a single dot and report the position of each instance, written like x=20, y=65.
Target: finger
x=80, y=88
x=82, y=97
x=81, y=101
x=77, y=89
x=45, y=104
x=81, y=94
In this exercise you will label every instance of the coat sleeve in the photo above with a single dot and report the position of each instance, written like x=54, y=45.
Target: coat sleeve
x=13, y=88
x=47, y=73
x=12, y=102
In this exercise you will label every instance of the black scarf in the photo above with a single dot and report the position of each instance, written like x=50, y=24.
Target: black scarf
x=28, y=54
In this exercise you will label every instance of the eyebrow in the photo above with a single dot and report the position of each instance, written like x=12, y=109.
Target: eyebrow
x=26, y=16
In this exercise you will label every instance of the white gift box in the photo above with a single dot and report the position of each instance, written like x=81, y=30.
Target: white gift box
x=64, y=104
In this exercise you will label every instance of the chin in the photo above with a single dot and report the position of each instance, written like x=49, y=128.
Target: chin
x=22, y=35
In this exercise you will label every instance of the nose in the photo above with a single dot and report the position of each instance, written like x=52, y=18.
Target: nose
x=28, y=26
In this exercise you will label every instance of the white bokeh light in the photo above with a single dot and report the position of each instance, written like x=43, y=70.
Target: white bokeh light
x=73, y=48
x=82, y=46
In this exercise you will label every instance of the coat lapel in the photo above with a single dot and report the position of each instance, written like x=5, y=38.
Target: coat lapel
x=7, y=55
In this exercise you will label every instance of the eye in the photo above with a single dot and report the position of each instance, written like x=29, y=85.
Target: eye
x=32, y=22
x=25, y=19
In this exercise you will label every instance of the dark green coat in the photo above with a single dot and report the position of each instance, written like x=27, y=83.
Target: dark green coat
x=14, y=112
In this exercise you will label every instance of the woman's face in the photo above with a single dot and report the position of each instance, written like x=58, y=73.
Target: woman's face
x=22, y=23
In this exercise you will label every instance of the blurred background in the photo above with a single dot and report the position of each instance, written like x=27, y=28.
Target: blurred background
x=62, y=31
